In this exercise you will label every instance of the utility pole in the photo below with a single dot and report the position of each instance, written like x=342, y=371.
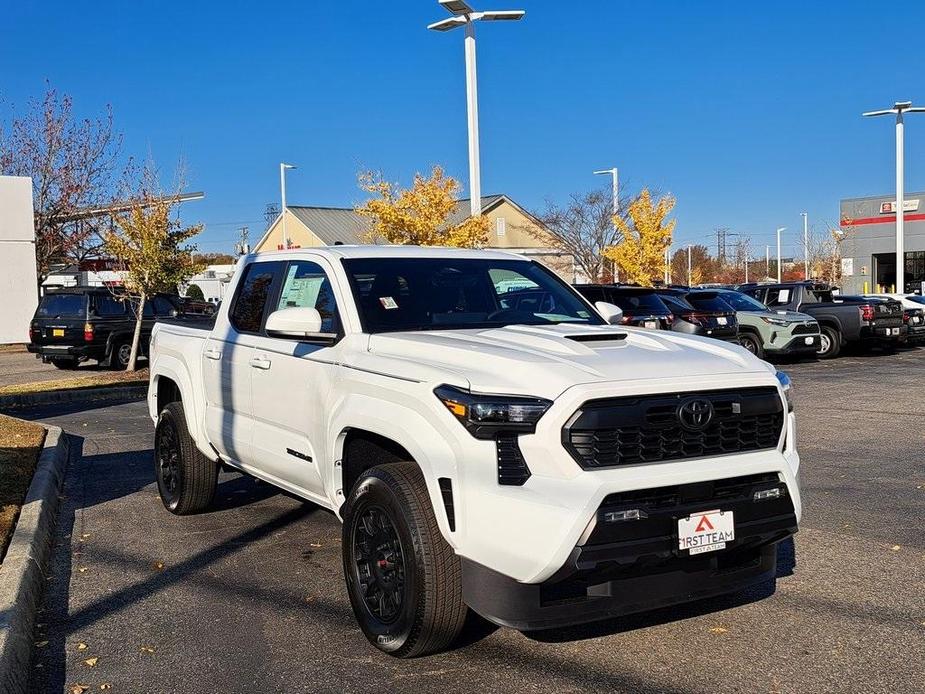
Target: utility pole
x=779, y=230
x=243, y=247
x=282, y=193
x=615, y=206
x=805, y=245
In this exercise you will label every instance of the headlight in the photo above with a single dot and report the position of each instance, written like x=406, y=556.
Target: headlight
x=486, y=415
x=787, y=387
x=775, y=321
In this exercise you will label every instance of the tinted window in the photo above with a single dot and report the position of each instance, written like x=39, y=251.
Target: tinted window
x=638, y=302
x=162, y=306
x=916, y=299
x=675, y=303
x=249, y=308
x=741, y=302
x=708, y=302
x=307, y=285
x=779, y=296
x=592, y=294
x=108, y=306
x=58, y=305
x=452, y=293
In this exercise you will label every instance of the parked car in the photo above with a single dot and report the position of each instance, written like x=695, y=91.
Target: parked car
x=711, y=317
x=842, y=320
x=641, y=306
x=543, y=469
x=766, y=333
x=73, y=325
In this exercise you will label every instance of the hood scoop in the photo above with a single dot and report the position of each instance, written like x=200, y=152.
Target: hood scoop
x=596, y=337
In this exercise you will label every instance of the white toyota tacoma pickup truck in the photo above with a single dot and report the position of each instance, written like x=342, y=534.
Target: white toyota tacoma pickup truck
x=488, y=438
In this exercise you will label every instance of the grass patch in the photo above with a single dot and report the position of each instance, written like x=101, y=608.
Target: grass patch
x=105, y=378
x=20, y=446
x=5, y=349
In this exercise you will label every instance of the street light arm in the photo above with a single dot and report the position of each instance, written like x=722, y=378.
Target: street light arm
x=915, y=109
x=881, y=113
x=448, y=23
x=499, y=15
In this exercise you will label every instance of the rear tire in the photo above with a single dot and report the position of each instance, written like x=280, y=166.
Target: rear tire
x=119, y=356
x=65, y=364
x=403, y=578
x=830, y=343
x=186, y=479
x=752, y=344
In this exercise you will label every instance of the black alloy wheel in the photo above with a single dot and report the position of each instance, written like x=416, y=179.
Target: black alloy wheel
x=169, y=468
x=380, y=564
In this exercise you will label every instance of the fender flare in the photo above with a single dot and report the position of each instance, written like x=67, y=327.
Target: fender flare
x=172, y=368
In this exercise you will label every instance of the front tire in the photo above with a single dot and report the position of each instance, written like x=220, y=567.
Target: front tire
x=829, y=344
x=404, y=580
x=186, y=479
x=752, y=344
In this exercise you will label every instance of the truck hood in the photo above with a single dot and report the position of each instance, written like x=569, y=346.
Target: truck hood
x=792, y=316
x=546, y=360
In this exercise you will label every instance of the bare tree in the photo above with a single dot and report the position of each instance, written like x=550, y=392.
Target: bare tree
x=70, y=162
x=583, y=228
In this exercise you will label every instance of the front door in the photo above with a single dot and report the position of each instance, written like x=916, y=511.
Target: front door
x=227, y=362
x=290, y=384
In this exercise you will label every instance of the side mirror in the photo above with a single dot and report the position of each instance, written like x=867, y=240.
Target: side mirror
x=300, y=323
x=610, y=313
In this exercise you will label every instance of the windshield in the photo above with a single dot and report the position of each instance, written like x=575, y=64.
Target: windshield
x=707, y=302
x=741, y=302
x=57, y=305
x=394, y=294
x=917, y=299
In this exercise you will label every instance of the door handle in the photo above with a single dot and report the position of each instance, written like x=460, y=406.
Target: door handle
x=259, y=363
x=212, y=354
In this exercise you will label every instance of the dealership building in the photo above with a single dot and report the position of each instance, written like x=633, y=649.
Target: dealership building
x=869, y=250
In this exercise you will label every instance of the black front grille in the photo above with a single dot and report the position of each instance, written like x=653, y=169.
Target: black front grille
x=806, y=329
x=648, y=429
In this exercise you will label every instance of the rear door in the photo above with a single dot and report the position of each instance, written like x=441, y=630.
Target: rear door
x=291, y=380
x=226, y=361
x=59, y=319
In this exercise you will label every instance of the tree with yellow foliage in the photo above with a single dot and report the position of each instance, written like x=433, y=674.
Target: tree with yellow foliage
x=641, y=253
x=418, y=216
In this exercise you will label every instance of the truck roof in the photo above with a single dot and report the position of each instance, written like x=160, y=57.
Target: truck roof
x=376, y=251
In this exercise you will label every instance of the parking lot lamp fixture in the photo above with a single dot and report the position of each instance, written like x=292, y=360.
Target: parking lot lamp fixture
x=779, y=230
x=282, y=193
x=688, y=265
x=463, y=15
x=899, y=108
x=805, y=245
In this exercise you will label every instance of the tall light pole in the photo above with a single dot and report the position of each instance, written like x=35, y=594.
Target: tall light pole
x=667, y=266
x=615, y=182
x=767, y=261
x=899, y=108
x=688, y=265
x=463, y=15
x=746, y=267
x=779, y=230
x=805, y=245
x=282, y=194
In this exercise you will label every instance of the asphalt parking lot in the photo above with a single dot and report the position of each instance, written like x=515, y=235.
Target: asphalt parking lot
x=19, y=366
x=249, y=597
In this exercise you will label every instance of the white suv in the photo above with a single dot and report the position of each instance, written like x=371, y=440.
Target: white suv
x=488, y=439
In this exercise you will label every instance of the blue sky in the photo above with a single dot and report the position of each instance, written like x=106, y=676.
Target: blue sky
x=749, y=113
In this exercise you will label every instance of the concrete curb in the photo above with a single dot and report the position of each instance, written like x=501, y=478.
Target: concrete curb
x=22, y=576
x=57, y=397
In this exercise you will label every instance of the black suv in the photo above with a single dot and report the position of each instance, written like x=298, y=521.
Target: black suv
x=641, y=306
x=73, y=325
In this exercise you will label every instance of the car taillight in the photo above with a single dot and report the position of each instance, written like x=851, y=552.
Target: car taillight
x=867, y=312
x=88, y=332
x=669, y=318
x=905, y=316
x=626, y=318
x=698, y=319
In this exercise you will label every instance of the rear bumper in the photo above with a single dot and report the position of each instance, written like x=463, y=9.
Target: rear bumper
x=78, y=351
x=886, y=334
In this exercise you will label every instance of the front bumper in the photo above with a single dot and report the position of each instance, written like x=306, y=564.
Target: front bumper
x=634, y=565
x=799, y=344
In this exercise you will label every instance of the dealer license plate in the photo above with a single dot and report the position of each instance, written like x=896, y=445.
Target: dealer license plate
x=650, y=324
x=706, y=531
x=57, y=332
x=721, y=320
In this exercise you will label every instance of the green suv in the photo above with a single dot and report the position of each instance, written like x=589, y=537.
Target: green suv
x=763, y=332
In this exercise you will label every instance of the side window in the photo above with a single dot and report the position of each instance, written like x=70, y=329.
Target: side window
x=250, y=303
x=307, y=285
x=108, y=306
x=593, y=294
x=162, y=306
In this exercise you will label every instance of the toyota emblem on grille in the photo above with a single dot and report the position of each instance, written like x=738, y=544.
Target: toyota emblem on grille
x=695, y=414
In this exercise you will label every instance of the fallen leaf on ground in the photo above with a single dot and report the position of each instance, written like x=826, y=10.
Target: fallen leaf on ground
x=158, y=565
x=147, y=649
x=314, y=544
x=83, y=569
x=91, y=662
x=718, y=630
x=81, y=646
x=895, y=548
x=41, y=644
x=105, y=685
x=310, y=599
x=85, y=536
x=79, y=688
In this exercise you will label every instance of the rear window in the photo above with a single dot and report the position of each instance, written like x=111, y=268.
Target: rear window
x=639, y=302
x=675, y=303
x=61, y=305
x=708, y=302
